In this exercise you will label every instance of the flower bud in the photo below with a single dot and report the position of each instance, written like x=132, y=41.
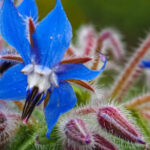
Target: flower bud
x=3, y=123
x=4, y=136
x=9, y=121
x=113, y=121
x=102, y=144
x=79, y=137
x=76, y=131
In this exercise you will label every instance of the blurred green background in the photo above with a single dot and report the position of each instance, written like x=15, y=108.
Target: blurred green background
x=130, y=17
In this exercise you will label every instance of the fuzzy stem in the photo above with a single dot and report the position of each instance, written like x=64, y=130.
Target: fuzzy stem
x=18, y=104
x=90, y=38
x=138, y=101
x=130, y=68
x=86, y=110
x=145, y=108
x=129, y=83
x=145, y=114
x=96, y=55
x=117, y=49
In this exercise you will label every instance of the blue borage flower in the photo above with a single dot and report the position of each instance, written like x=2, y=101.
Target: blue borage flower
x=145, y=63
x=41, y=76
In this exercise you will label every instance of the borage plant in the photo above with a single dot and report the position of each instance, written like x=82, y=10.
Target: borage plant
x=44, y=66
x=42, y=75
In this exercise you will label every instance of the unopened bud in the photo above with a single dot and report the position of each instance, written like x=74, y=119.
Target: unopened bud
x=3, y=122
x=4, y=136
x=113, y=121
x=102, y=144
x=76, y=131
x=9, y=121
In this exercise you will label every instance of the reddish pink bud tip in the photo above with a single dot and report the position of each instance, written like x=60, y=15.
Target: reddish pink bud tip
x=102, y=144
x=76, y=131
x=114, y=122
x=25, y=120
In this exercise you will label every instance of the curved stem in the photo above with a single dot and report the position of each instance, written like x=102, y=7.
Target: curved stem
x=138, y=101
x=86, y=110
x=130, y=68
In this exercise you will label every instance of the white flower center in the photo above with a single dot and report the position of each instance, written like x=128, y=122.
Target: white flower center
x=43, y=78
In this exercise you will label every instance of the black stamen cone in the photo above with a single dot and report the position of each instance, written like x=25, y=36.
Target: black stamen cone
x=32, y=99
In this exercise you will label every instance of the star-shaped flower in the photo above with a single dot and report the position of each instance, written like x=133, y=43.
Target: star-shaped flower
x=42, y=75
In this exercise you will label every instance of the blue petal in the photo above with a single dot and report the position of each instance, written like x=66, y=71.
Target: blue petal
x=145, y=63
x=77, y=71
x=28, y=8
x=13, y=84
x=53, y=36
x=13, y=29
x=61, y=100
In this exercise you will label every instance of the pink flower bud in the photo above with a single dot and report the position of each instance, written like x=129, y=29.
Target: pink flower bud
x=110, y=39
x=102, y=144
x=78, y=137
x=9, y=121
x=4, y=136
x=3, y=122
x=76, y=131
x=114, y=122
x=89, y=40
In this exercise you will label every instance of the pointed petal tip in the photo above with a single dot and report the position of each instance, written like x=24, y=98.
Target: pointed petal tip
x=58, y=2
x=59, y=37
x=141, y=141
x=48, y=134
x=28, y=8
x=78, y=71
x=62, y=99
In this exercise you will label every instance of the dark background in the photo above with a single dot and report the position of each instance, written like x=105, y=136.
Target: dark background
x=130, y=17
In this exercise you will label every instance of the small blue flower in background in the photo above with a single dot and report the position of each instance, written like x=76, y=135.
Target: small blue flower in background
x=145, y=63
x=42, y=46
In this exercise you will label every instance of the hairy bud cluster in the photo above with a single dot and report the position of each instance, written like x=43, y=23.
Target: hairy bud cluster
x=79, y=137
x=8, y=124
x=78, y=134
x=4, y=135
x=113, y=121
